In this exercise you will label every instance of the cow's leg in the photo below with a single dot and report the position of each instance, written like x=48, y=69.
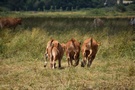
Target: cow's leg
x=88, y=64
x=76, y=62
x=83, y=63
x=59, y=61
x=90, y=60
x=51, y=62
x=76, y=57
x=68, y=62
x=54, y=64
x=71, y=63
x=68, y=59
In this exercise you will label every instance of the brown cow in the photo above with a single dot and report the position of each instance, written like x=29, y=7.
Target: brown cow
x=10, y=22
x=72, y=52
x=98, y=22
x=89, y=50
x=54, y=51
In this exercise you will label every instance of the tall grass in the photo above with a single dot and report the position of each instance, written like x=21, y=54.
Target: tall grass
x=21, y=55
x=102, y=12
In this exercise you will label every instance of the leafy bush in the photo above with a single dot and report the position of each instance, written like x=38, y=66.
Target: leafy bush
x=120, y=8
x=131, y=7
x=96, y=12
x=3, y=9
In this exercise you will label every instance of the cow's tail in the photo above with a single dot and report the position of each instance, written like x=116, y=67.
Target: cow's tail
x=46, y=53
x=91, y=41
x=51, y=45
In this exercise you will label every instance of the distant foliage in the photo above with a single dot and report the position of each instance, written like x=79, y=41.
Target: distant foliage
x=35, y=5
x=57, y=5
x=121, y=8
x=132, y=7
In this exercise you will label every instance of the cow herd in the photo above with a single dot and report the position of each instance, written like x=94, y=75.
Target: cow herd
x=55, y=51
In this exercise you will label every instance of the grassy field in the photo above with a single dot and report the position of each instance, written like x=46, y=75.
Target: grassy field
x=21, y=55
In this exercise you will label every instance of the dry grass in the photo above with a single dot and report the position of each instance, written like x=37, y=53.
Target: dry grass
x=103, y=75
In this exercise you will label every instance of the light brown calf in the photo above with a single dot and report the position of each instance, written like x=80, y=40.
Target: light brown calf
x=72, y=52
x=89, y=50
x=98, y=22
x=54, y=51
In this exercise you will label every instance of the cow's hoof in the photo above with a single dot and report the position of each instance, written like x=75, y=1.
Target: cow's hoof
x=82, y=64
x=44, y=65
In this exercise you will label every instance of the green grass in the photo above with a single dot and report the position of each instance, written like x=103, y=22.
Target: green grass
x=21, y=55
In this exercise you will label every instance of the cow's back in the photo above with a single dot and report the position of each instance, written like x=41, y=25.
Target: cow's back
x=72, y=45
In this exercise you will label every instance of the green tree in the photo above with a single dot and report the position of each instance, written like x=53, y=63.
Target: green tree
x=121, y=2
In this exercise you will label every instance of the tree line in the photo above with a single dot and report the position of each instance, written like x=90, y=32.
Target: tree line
x=41, y=5
x=35, y=5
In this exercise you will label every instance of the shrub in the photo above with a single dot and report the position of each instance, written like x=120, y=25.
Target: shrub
x=131, y=7
x=120, y=8
x=4, y=9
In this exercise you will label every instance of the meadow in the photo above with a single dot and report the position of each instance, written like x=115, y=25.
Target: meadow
x=22, y=50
